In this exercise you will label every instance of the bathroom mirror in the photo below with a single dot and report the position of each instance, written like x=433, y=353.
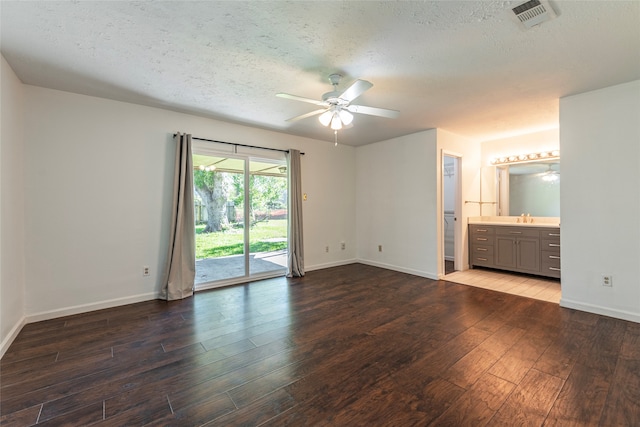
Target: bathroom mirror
x=530, y=188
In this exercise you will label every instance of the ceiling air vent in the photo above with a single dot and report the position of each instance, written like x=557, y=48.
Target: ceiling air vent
x=533, y=12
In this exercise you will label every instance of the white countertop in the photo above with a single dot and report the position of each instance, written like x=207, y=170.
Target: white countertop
x=516, y=221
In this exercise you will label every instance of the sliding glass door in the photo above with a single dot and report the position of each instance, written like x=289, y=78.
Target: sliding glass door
x=241, y=217
x=267, y=217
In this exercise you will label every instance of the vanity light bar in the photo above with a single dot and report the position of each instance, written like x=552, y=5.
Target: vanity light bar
x=521, y=158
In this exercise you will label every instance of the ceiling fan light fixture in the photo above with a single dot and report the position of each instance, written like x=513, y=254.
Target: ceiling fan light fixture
x=325, y=118
x=346, y=117
x=336, y=124
x=337, y=111
x=550, y=175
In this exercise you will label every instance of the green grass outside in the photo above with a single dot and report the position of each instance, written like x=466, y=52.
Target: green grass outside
x=231, y=242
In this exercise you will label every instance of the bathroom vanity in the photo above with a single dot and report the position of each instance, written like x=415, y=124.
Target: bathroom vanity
x=506, y=243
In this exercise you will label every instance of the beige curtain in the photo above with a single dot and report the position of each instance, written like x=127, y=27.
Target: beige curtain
x=295, y=261
x=180, y=269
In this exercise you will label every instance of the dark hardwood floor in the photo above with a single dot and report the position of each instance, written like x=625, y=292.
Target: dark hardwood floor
x=347, y=346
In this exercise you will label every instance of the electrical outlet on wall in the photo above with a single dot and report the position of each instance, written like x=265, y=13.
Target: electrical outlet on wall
x=607, y=280
x=379, y=248
x=145, y=270
x=343, y=245
x=326, y=248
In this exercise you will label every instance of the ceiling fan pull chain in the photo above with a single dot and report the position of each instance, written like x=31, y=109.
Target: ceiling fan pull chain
x=335, y=137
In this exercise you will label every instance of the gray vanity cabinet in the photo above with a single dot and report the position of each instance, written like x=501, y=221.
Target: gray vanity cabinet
x=534, y=250
x=518, y=249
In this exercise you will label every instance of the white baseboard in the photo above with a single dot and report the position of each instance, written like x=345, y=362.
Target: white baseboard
x=420, y=273
x=4, y=346
x=77, y=309
x=329, y=265
x=67, y=311
x=604, y=311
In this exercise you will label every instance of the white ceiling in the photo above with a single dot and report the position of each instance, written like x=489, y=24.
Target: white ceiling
x=465, y=67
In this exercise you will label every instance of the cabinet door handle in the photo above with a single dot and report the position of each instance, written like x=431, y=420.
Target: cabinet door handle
x=482, y=239
x=554, y=245
x=481, y=230
x=554, y=257
x=554, y=269
x=554, y=234
x=482, y=259
x=481, y=249
x=515, y=232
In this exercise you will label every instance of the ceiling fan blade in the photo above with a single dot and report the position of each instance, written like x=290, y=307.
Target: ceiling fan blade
x=373, y=111
x=300, y=98
x=355, y=90
x=304, y=116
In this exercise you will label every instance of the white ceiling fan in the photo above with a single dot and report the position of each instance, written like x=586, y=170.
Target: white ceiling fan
x=336, y=106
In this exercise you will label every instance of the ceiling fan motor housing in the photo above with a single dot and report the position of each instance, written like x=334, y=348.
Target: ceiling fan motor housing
x=335, y=79
x=333, y=98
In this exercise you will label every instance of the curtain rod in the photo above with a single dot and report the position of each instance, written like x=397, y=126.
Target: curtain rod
x=239, y=145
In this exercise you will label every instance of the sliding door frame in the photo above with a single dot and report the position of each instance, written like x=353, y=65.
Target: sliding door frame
x=205, y=148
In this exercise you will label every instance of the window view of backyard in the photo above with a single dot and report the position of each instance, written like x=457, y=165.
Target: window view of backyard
x=270, y=236
x=222, y=231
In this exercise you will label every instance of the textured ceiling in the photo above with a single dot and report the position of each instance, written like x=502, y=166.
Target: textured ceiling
x=465, y=67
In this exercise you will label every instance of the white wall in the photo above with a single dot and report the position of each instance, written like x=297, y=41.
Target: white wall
x=12, y=273
x=329, y=180
x=396, y=203
x=400, y=200
x=600, y=200
x=98, y=189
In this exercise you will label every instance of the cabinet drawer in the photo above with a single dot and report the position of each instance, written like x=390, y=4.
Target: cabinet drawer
x=482, y=240
x=550, y=271
x=482, y=250
x=550, y=263
x=552, y=245
x=518, y=232
x=481, y=229
x=482, y=260
x=547, y=233
x=551, y=258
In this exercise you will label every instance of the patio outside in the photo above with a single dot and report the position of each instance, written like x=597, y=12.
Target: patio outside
x=214, y=269
x=219, y=256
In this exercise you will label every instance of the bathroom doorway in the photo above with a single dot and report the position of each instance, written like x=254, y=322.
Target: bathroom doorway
x=450, y=211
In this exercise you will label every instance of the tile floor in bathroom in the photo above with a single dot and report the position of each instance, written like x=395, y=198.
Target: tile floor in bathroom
x=535, y=287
